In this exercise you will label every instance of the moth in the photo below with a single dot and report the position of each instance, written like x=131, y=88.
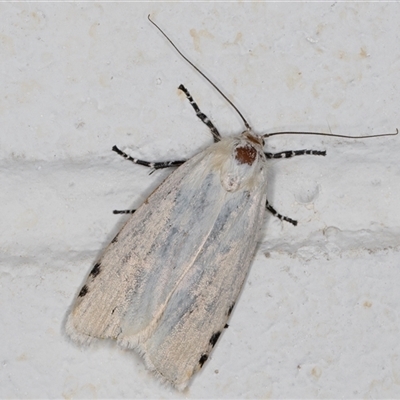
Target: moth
x=168, y=282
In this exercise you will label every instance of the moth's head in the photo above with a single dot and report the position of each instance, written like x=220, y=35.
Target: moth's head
x=253, y=138
x=249, y=148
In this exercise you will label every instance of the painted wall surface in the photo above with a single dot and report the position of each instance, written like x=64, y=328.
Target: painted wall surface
x=319, y=313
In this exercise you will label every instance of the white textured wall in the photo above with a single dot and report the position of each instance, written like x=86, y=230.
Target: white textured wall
x=319, y=314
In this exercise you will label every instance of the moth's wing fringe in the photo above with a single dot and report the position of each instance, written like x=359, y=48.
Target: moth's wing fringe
x=87, y=340
x=162, y=379
x=77, y=336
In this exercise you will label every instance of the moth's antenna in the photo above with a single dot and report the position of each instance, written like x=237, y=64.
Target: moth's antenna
x=330, y=134
x=241, y=115
x=201, y=73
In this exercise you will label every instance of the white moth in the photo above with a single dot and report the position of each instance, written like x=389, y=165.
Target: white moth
x=167, y=283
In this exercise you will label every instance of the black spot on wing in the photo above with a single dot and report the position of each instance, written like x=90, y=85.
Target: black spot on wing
x=203, y=359
x=230, y=309
x=115, y=239
x=83, y=291
x=95, y=270
x=214, y=338
x=226, y=326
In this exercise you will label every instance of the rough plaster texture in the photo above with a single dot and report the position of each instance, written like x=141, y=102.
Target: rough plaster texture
x=319, y=314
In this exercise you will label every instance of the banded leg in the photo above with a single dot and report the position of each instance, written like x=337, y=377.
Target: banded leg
x=202, y=116
x=293, y=153
x=153, y=165
x=280, y=216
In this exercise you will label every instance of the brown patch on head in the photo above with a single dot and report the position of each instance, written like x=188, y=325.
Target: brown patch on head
x=246, y=154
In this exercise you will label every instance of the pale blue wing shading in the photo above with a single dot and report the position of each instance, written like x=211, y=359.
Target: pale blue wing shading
x=168, y=281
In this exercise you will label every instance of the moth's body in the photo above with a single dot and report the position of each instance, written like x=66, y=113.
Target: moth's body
x=167, y=283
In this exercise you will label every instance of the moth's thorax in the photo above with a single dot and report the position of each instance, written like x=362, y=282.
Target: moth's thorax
x=247, y=152
x=240, y=161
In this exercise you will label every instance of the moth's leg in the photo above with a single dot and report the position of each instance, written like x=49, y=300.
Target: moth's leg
x=280, y=216
x=289, y=154
x=153, y=165
x=202, y=116
x=293, y=153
